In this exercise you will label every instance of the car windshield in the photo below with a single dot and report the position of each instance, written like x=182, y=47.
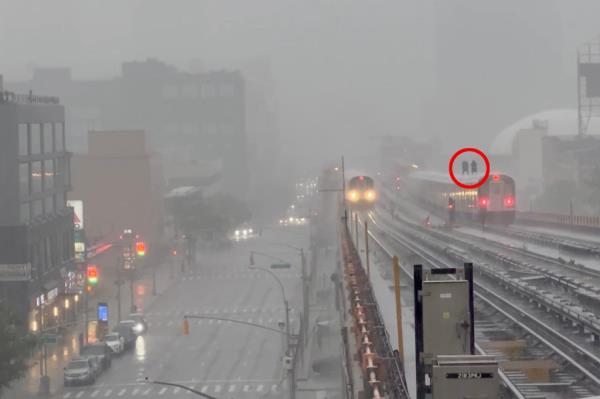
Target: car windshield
x=81, y=364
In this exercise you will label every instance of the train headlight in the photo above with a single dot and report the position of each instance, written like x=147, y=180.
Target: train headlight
x=353, y=196
x=370, y=195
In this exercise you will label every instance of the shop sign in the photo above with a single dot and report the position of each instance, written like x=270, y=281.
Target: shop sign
x=52, y=294
x=15, y=272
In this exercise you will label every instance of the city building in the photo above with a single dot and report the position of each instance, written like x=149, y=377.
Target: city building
x=120, y=186
x=36, y=226
x=194, y=120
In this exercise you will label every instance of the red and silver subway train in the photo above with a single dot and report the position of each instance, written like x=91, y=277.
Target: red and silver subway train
x=360, y=192
x=495, y=198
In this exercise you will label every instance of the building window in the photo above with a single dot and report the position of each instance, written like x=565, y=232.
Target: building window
x=49, y=174
x=23, y=140
x=49, y=205
x=24, y=180
x=59, y=137
x=24, y=212
x=48, y=135
x=207, y=90
x=36, y=138
x=226, y=90
x=189, y=92
x=36, y=177
x=60, y=201
x=36, y=208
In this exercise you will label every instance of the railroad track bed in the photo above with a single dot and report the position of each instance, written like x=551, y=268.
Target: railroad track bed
x=567, y=290
x=538, y=359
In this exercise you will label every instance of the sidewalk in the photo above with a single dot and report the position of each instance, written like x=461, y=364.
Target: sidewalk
x=67, y=346
x=320, y=375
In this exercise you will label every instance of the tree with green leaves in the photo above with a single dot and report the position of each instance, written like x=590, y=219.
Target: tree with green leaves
x=16, y=346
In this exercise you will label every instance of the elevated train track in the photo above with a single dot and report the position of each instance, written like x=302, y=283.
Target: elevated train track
x=579, y=366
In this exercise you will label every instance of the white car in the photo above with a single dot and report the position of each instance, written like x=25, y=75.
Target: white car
x=115, y=342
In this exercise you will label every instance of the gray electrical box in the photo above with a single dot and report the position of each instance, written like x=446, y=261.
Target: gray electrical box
x=446, y=318
x=465, y=377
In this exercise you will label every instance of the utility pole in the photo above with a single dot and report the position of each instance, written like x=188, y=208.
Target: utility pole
x=154, y=279
x=356, y=230
x=85, y=313
x=305, y=293
x=44, y=388
x=367, y=250
x=131, y=298
x=396, y=270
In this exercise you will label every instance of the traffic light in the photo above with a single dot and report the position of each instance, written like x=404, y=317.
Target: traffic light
x=92, y=275
x=140, y=248
x=186, y=327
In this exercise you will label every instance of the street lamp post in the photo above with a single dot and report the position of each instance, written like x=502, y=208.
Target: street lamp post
x=288, y=353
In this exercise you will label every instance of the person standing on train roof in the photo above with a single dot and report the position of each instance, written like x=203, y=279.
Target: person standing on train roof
x=473, y=167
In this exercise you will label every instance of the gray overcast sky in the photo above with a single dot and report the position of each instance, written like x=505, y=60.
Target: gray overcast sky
x=344, y=70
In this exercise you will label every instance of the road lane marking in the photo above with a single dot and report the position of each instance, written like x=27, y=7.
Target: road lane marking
x=65, y=396
x=232, y=388
x=107, y=393
x=259, y=388
x=204, y=389
x=162, y=391
x=147, y=391
x=79, y=394
x=218, y=388
x=246, y=388
x=96, y=392
x=135, y=391
x=122, y=392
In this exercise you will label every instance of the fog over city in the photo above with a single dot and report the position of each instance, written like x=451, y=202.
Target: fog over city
x=343, y=71
x=299, y=199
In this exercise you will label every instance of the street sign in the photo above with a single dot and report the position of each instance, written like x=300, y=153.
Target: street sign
x=15, y=272
x=280, y=266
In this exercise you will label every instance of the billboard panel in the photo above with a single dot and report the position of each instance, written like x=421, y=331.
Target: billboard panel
x=77, y=206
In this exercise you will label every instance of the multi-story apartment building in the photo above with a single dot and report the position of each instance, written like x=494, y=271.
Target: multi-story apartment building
x=36, y=226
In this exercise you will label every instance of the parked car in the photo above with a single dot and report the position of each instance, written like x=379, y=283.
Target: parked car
x=141, y=326
x=80, y=371
x=126, y=331
x=115, y=342
x=100, y=351
x=134, y=325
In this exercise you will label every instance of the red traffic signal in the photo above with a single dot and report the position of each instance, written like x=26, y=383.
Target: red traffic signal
x=140, y=248
x=92, y=275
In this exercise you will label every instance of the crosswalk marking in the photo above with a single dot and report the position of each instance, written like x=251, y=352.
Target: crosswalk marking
x=147, y=391
x=66, y=395
x=122, y=392
x=80, y=394
x=176, y=390
x=204, y=389
x=162, y=391
x=231, y=388
x=135, y=391
x=107, y=393
x=259, y=388
x=246, y=388
x=218, y=388
x=96, y=392
x=274, y=388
